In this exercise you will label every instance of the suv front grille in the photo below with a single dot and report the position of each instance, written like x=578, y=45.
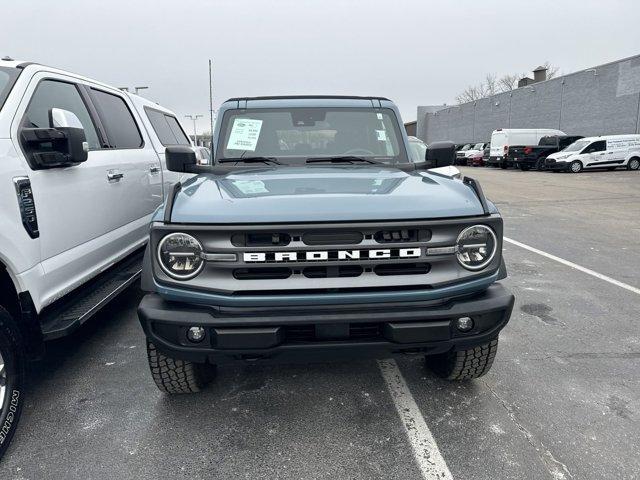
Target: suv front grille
x=250, y=260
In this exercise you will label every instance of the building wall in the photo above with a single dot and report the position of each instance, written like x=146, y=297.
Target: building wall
x=598, y=101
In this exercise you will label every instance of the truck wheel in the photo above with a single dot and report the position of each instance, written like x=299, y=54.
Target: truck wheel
x=12, y=376
x=464, y=364
x=575, y=166
x=634, y=164
x=540, y=165
x=173, y=375
x=503, y=165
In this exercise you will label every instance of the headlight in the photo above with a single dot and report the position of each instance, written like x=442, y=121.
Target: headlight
x=180, y=256
x=476, y=247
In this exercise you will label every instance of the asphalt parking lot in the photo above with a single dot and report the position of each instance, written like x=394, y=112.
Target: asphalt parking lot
x=562, y=400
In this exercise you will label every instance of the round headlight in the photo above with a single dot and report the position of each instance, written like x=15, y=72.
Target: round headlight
x=181, y=256
x=476, y=247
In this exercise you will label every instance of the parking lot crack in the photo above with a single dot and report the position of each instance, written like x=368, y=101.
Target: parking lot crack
x=557, y=470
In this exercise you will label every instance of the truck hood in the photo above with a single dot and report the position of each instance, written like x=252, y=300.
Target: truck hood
x=321, y=194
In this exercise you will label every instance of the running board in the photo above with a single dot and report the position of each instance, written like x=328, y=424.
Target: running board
x=67, y=315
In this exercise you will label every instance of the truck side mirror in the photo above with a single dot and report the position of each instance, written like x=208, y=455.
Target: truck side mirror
x=182, y=159
x=440, y=154
x=64, y=144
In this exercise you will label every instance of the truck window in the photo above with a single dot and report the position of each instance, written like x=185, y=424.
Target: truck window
x=121, y=127
x=548, y=141
x=166, y=127
x=295, y=134
x=57, y=94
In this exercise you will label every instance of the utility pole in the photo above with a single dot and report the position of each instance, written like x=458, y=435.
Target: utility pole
x=195, y=134
x=211, y=101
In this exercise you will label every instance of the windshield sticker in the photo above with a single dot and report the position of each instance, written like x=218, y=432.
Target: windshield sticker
x=250, y=187
x=244, y=134
x=382, y=135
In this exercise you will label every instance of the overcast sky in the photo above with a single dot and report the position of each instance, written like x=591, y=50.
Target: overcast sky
x=415, y=52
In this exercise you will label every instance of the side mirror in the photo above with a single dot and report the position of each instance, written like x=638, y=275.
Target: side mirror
x=182, y=159
x=64, y=144
x=440, y=154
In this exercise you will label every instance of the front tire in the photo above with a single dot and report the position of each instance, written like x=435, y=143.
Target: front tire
x=172, y=375
x=634, y=164
x=12, y=378
x=575, y=166
x=464, y=364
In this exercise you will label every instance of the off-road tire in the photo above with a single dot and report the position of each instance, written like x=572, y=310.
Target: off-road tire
x=173, y=375
x=634, y=164
x=12, y=378
x=464, y=364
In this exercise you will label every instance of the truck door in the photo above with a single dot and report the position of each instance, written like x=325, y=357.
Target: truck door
x=77, y=206
x=137, y=161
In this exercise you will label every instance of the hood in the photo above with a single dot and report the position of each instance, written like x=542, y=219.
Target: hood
x=560, y=155
x=321, y=194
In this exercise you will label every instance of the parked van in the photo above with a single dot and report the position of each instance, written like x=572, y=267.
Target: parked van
x=504, y=138
x=611, y=152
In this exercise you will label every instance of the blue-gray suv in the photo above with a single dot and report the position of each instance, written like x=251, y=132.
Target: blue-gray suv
x=313, y=236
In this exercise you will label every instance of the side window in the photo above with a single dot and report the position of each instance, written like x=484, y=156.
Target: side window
x=117, y=119
x=167, y=128
x=56, y=94
x=177, y=130
x=599, y=146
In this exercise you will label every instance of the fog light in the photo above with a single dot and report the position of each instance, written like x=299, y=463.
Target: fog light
x=464, y=324
x=195, y=334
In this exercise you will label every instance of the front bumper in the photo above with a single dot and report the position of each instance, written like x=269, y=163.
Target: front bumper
x=558, y=165
x=308, y=333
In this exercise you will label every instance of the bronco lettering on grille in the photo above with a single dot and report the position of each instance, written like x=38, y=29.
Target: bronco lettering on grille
x=327, y=255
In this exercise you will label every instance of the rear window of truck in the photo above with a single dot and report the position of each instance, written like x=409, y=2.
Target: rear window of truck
x=166, y=127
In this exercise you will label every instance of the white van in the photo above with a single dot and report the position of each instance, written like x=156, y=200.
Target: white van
x=611, y=152
x=503, y=138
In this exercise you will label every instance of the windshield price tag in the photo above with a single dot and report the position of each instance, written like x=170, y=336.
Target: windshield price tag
x=382, y=135
x=244, y=134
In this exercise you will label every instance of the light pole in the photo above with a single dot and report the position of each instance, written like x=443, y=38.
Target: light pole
x=194, y=118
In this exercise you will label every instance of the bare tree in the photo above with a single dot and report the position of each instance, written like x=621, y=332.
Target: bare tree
x=552, y=71
x=508, y=82
x=492, y=85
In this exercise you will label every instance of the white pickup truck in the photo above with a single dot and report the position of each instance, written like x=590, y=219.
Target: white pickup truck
x=81, y=173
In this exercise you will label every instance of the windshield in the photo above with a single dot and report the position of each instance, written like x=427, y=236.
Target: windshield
x=7, y=78
x=418, y=151
x=478, y=146
x=293, y=135
x=576, y=146
x=466, y=147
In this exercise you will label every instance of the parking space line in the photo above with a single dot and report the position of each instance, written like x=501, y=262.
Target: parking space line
x=425, y=449
x=588, y=271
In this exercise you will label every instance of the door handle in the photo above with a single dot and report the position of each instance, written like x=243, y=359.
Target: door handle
x=153, y=168
x=114, y=176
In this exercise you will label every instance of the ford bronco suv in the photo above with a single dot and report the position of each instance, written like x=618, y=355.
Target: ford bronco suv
x=312, y=236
